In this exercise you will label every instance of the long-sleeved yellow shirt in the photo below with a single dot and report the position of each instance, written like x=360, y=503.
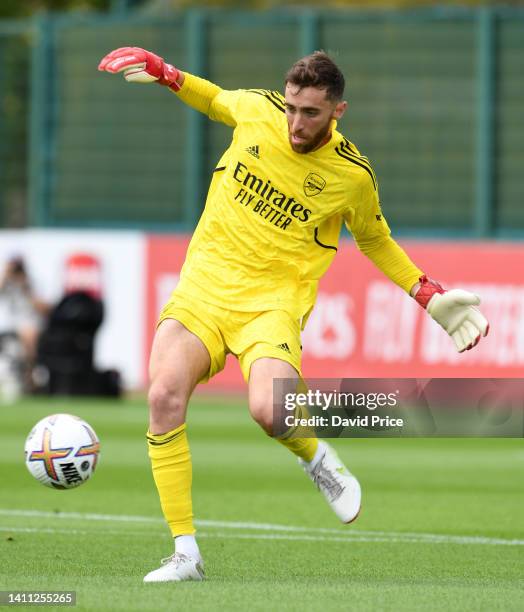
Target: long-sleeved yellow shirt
x=272, y=219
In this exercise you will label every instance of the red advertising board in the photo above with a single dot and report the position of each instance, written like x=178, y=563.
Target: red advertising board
x=365, y=326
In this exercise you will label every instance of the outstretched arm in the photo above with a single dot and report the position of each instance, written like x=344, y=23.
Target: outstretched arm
x=141, y=66
x=453, y=310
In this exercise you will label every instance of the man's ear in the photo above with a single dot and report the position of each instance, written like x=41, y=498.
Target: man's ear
x=340, y=109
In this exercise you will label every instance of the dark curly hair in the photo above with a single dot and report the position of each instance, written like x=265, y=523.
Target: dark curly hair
x=318, y=70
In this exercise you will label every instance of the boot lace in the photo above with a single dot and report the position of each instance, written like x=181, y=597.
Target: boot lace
x=326, y=481
x=175, y=558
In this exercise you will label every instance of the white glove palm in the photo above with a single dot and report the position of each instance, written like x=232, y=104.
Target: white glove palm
x=455, y=311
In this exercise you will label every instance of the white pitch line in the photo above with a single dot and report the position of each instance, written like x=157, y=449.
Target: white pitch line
x=117, y=518
x=66, y=531
x=303, y=533
x=319, y=538
x=257, y=536
x=228, y=535
x=238, y=536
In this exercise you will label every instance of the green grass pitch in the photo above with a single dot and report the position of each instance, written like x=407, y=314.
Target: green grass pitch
x=441, y=526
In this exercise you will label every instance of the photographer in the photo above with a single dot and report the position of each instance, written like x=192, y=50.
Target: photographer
x=21, y=312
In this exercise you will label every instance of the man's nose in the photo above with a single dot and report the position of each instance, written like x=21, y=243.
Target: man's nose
x=298, y=124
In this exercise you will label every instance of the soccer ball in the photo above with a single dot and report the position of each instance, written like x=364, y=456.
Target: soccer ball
x=61, y=451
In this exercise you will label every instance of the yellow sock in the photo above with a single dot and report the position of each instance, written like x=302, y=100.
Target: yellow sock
x=172, y=471
x=305, y=448
x=299, y=439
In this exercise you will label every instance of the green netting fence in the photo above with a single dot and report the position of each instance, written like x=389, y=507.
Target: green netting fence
x=435, y=101
x=14, y=128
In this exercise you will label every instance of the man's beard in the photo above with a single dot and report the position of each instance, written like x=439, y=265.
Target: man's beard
x=312, y=144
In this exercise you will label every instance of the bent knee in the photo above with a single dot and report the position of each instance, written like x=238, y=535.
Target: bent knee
x=262, y=413
x=167, y=406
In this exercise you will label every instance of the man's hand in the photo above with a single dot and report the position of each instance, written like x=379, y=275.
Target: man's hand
x=141, y=66
x=455, y=311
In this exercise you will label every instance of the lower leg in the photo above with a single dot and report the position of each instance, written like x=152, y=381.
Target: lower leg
x=301, y=441
x=340, y=488
x=172, y=472
x=178, y=361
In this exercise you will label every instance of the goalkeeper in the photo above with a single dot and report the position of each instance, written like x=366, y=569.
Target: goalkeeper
x=277, y=200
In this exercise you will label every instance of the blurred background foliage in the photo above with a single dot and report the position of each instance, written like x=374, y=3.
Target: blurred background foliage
x=361, y=4
x=25, y=8
x=17, y=8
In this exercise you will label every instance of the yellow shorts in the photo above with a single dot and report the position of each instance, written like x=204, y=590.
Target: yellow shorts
x=247, y=335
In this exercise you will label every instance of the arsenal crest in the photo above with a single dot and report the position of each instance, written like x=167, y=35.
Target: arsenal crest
x=313, y=184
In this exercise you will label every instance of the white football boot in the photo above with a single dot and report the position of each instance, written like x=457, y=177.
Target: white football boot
x=176, y=568
x=340, y=488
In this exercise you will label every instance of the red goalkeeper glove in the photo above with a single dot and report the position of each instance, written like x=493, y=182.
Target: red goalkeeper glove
x=140, y=66
x=454, y=311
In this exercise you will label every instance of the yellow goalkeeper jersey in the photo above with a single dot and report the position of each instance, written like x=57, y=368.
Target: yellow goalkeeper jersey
x=272, y=219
